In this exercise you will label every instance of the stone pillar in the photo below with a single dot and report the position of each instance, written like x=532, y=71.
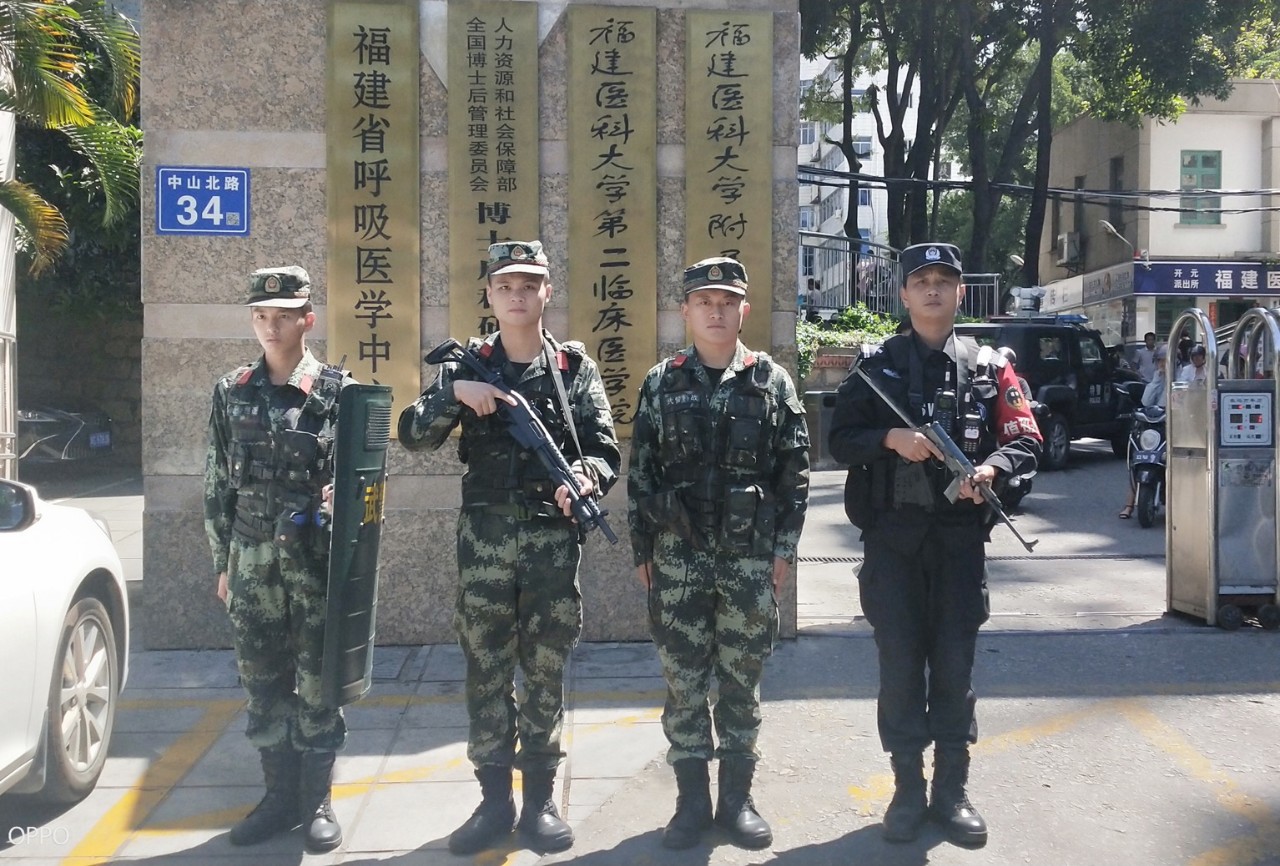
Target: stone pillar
x=240, y=83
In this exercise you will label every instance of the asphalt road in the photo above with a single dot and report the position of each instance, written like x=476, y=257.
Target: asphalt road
x=1110, y=732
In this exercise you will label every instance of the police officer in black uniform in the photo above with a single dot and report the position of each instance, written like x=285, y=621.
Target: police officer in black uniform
x=923, y=583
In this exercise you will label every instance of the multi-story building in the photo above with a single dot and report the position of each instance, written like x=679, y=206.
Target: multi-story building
x=833, y=271
x=1173, y=246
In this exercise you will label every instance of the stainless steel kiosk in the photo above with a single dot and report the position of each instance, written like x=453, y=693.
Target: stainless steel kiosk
x=1221, y=532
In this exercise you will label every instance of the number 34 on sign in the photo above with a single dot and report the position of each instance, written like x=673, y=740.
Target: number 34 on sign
x=202, y=201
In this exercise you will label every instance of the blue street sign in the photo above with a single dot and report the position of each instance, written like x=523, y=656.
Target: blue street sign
x=1222, y=279
x=202, y=201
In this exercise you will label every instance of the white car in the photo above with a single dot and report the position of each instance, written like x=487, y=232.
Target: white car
x=64, y=641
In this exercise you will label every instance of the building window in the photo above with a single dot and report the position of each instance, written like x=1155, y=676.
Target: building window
x=806, y=219
x=1115, y=206
x=1201, y=169
x=864, y=197
x=806, y=261
x=808, y=134
x=829, y=208
x=862, y=145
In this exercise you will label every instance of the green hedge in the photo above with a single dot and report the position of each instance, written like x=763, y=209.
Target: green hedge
x=852, y=327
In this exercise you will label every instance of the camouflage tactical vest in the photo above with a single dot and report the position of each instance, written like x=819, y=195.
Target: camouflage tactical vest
x=498, y=469
x=278, y=469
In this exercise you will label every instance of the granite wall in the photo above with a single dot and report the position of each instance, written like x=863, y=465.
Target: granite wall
x=241, y=83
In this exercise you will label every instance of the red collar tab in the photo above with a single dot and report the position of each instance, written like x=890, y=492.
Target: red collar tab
x=749, y=359
x=562, y=361
x=305, y=383
x=245, y=376
x=679, y=360
x=486, y=349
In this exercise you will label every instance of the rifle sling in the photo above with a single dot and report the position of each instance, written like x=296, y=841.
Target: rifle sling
x=554, y=371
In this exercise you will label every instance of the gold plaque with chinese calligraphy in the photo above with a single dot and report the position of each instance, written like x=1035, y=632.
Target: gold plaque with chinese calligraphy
x=728, y=159
x=374, y=298
x=613, y=181
x=493, y=146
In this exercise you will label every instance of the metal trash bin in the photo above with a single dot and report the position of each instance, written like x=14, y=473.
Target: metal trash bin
x=819, y=406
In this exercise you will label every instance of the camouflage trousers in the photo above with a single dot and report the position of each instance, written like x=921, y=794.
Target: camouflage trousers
x=518, y=603
x=711, y=612
x=276, y=598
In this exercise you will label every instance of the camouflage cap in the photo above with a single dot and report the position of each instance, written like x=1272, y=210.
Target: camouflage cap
x=719, y=272
x=524, y=257
x=288, y=286
x=919, y=256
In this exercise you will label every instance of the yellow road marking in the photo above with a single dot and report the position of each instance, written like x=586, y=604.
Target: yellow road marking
x=128, y=814
x=870, y=798
x=1240, y=851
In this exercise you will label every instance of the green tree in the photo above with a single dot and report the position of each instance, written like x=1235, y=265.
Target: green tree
x=50, y=53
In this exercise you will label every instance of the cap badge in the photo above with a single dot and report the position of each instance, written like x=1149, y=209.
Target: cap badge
x=272, y=284
x=518, y=252
x=932, y=254
x=715, y=273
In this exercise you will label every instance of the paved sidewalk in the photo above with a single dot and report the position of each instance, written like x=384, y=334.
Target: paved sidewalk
x=1110, y=735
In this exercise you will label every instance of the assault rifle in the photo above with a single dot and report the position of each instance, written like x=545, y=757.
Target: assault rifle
x=953, y=458
x=529, y=431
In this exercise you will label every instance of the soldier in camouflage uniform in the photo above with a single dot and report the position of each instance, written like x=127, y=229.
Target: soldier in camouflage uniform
x=518, y=551
x=717, y=489
x=268, y=467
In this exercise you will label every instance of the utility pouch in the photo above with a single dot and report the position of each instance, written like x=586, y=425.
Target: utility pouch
x=746, y=518
x=665, y=511
x=289, y=528
x=238, y=469
x=913, y=485
x=859, y=504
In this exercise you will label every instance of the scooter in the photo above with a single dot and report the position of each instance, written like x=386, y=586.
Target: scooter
x=1147, y=455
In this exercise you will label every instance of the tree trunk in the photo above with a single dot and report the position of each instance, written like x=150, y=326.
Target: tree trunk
x=1044, y=146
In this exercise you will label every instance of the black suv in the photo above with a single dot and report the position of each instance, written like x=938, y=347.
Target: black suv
x=1071, y=372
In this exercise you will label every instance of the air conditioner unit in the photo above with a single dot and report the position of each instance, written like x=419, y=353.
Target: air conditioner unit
x=1068, y=248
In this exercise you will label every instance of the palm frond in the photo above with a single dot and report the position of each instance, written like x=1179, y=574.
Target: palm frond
x=115, y=156
x=40, y=222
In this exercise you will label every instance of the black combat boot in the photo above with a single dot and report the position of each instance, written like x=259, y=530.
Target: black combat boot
x=315, y=802
x=493, y=819
x=908, y=809
x=693, y=805
x=949, y=806
x=735, y=811
x=277, y=811
x=540, y=821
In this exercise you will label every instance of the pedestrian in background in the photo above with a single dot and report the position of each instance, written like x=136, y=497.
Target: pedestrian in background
x=1195, y=370
x=518, y=600
x=1146, y=356
x=269, y=463
x=923, y=582
x=717, y=488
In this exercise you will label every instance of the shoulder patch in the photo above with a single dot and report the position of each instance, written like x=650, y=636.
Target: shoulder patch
x=679, y=360
x=243, y=375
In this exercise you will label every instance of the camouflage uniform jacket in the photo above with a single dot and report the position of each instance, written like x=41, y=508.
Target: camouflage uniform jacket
x=707, y=449
x=499, y=470
x=254, y=433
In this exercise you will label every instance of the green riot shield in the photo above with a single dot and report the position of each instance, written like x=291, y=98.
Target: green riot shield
x=359, y=487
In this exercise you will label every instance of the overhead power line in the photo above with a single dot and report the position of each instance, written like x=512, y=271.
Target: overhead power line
x=1127, y=199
